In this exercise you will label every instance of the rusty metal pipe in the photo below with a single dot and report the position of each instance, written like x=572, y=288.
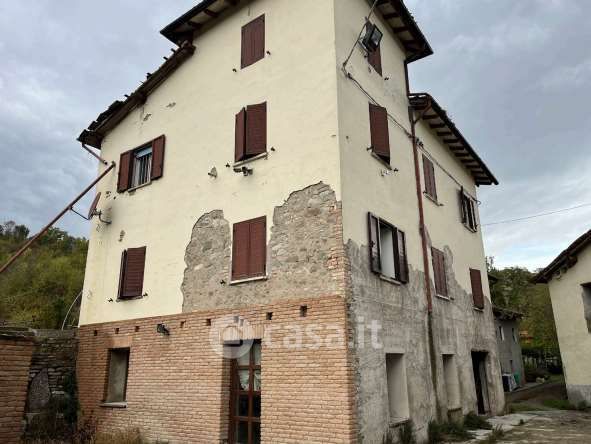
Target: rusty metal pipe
x=55, y=219
x=93, y=154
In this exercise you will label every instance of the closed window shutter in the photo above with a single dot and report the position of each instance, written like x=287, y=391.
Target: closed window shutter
x=380, y=136
x=258, y=247
x=124, y=180
x=429, y=173
x=253, y=42
x=256, y=129
x=439, y=272
x=240, y=135
x=463, y=209
x=374, y=243
x=158, y=157
x=132, y=273
x=375, y=59
x=401, y=259
x=240, y=250
x=477, y=293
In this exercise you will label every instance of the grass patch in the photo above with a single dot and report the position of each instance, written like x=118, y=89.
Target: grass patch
x=496, y=434
x=448, y=432
x=406, y=434
x=558, y=404
x=474, y=422
x=524, y=407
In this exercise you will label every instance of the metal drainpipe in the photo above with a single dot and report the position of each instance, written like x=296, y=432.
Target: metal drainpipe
x=423, y=231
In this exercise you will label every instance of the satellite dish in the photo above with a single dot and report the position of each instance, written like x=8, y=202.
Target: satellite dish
x=92, y=210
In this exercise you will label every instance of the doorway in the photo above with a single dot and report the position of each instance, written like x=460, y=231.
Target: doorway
x=480, y=381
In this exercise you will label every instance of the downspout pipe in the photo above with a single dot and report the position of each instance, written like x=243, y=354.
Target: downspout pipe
x=55, y=219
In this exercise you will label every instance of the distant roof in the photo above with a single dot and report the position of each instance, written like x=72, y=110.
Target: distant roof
x=567, y=259
x=504, y=314
x=394, y=12
x=436, y=117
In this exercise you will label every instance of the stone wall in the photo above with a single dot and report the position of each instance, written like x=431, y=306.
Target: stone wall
x=305, y=255
x=178, y=385
x=15, y=359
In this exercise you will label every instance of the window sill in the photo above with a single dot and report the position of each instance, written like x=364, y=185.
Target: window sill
x=472, y=230
x=478, y=309
x=397, y=422
x=134, y=189
x=250, y=159
x=134, y=298
x=445, y=298
x=382, y=161
x=247, y=280
x=432, y=199
x=389, y=279
x=454, y=409
x=114, y=405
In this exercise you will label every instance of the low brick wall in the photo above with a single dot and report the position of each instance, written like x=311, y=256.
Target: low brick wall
x=178, y=386
x=15, y=361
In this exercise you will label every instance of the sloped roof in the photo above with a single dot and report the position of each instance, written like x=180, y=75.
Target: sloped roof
x=567, y=259
x=504, y=314
x=436, y=117
x=394, y=12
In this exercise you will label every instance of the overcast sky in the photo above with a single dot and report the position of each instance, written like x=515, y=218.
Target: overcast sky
x=514, y=75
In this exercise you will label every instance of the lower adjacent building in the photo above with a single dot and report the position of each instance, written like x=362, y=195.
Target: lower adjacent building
x=508, y=340
x=569, y=280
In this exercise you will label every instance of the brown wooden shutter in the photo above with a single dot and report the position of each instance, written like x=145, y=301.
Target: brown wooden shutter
x=439, y=272
x=375, y=59
x=256, y=129
x=477, y=293
x=429, y=173
x=253, y=42
x=158, y=157
x=374, y=243
x=400, y=257
x=258, y=247
x=380, y=136
x=132, y=273
x=240, y=136
x=240, y=250
x=124, y=180
x=463, y=209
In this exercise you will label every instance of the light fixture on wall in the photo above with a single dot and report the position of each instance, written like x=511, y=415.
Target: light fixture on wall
x=372, y=38
x=244, y=170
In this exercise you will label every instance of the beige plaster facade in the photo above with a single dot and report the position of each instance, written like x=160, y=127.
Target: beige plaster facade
x=571, y=303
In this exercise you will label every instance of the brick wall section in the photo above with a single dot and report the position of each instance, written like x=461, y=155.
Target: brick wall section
x=178, y=387
x=15, y=359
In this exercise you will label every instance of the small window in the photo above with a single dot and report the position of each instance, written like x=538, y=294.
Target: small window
x=387, y=245
x=249, y=249
x=139, y=166
x=251, y=132
x=452, y=381
x=439, y=273
x=117, y=376
x=514, y=335
x=373, y=47
x=397, y=387
x=253, y=42
x=429, y=176
x=380, y=136
x=587, y=304
x=468, y=211
x=477, y=293
x=501, y=333
x=131, y=277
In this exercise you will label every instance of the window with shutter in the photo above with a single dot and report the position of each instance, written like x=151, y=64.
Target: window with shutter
x=429, y=174
x=131, y=279
x=477, y=293
x=249, y=249
x=468, y=211
x=380, y=136
x=375, y=59
x=139, y=166
x=253, y=42
x=387, y=250
x=439, y=274
x=251, y=132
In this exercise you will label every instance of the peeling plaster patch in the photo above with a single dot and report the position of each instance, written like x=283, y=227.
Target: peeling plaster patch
x=121, y=235
x=171, y=105
x=147, y=117
x=302, y=255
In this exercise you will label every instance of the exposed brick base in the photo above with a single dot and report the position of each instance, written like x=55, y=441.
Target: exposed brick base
x=15, y=360
x=178, y=386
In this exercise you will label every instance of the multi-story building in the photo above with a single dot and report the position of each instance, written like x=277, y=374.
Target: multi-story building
x=569, y=281
x=280, y=191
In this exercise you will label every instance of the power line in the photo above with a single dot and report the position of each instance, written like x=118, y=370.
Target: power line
x=537, y=215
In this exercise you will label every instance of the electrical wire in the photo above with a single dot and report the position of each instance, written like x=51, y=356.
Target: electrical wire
x=519, y=219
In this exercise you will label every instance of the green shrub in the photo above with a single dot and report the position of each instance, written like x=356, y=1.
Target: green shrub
x=558, y=404
x=494, y=437
x=474, y=422
x=447, y=432
x=406, y=434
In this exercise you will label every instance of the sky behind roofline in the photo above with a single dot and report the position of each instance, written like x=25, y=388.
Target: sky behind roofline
x=514, y=76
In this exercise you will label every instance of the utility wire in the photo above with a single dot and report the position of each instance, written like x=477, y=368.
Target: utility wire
x=537, y=215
